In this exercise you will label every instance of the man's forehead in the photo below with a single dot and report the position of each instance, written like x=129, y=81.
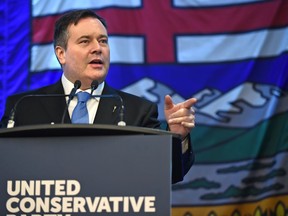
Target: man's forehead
x=90, y=21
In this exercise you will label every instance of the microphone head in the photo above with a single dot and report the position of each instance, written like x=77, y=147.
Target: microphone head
x=94, y=85
x=77, y=84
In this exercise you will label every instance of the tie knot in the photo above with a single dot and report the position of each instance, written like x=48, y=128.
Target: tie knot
x=83, y=96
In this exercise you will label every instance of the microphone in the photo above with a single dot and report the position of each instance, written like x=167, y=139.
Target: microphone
x=77, y=85
x=94, y=86
x=11, y=121
x=121, y=113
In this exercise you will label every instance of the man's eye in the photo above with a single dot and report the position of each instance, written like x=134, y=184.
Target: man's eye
x=84, y=41
x=104, y=41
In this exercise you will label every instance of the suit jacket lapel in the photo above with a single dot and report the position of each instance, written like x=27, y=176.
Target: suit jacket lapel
x=108, y=108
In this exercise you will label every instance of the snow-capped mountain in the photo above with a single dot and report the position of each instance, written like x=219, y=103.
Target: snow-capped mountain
x=243, y=106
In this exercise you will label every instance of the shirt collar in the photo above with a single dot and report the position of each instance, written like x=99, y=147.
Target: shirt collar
x=68, y=86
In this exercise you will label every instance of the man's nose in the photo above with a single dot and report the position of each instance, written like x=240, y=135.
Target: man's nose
x=96, y=47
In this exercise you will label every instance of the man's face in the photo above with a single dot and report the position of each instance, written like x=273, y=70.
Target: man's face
x=87, y=56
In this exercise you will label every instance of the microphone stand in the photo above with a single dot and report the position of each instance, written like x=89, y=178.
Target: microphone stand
x=122, y=108
x=94, y=86
x=11, y=121
x=77, y=85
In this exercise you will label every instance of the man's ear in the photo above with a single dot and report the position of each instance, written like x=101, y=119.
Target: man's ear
x=60, y=53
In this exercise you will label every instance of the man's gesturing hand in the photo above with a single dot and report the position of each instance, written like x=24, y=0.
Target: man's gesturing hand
x=180, y=117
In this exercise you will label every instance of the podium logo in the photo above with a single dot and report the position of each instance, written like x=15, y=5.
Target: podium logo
x=51, y=197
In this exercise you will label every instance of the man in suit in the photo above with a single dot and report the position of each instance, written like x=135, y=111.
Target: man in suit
x=82, y=48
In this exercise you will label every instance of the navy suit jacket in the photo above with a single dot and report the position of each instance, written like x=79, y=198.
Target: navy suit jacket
x=44, y=110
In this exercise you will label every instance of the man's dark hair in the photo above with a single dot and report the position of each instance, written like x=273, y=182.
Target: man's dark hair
x=72, y=17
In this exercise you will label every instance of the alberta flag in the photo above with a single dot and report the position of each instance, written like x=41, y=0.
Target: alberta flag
x=232, y=55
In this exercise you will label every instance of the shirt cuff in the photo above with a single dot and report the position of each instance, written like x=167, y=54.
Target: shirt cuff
x=185, y=145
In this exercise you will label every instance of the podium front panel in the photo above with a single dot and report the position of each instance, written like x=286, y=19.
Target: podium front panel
x=86, y=175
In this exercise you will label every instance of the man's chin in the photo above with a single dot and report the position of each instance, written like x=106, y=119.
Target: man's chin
x=100, y=78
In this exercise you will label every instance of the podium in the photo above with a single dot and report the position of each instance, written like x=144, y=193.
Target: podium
x=71, y=169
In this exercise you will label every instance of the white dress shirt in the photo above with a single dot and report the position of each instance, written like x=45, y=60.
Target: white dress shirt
x=92, y=104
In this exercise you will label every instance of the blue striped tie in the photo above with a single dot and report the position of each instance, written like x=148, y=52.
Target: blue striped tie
x=80, y=113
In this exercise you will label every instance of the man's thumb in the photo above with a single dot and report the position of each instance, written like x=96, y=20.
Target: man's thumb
x=168, y=102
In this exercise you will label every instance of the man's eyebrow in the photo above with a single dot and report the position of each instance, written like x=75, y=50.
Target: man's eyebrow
x=103, y=35
x=87, y=36
x=83, y=37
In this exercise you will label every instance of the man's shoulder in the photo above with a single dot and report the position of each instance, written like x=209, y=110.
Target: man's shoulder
x=49, y=89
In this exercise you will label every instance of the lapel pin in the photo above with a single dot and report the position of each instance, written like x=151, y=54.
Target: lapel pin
x=115, y=107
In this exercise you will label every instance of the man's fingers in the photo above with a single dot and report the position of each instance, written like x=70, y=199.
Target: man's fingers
x=182, y=119
x=189, y=103
x=186, y=104
x=182, y=112
x=188, y=124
